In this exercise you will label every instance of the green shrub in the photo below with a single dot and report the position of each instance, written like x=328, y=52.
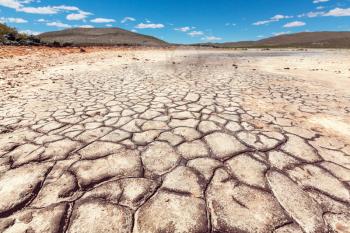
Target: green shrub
x=4, y=29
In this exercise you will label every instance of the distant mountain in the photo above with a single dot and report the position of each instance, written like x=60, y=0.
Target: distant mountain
x=118, y=36
x=298, y=40
x=100, y=36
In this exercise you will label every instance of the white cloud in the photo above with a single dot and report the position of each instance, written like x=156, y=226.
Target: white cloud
x=279, y=17
x=46, y=10
x=338, y=12
x=312, y=14
x=230, y=24
x=211, y=38
x=39, y=10
x=12, y=20
x=30, y=32
x=149, y=25
x=319, y=1
x=275, y=18
x=294, y=24
x=66, y=8
x=264, y=22
x=22, y=6
x=126, y=19
x=78, y=16
x=196, y=33
x=42, y=20
x=258, y=23
x=320, y=7
x=14, y=4
x=59, y=25
x=29, y=1
x=280, y=33
x=86, y=26
x=102, y=20
x=109, y=25
x=183, y=29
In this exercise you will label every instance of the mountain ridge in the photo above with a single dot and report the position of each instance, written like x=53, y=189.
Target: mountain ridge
x=118, y=36
x=323, y=39
x=100, y=36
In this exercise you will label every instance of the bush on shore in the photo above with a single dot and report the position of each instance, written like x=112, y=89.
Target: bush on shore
x=10, y=36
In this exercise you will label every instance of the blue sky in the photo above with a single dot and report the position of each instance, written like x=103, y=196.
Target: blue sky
x=181, y=21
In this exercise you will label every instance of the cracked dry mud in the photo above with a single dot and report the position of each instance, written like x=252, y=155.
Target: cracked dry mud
x=183, y=144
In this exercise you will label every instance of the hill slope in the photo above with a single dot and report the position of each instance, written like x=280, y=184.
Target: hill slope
x=100, y=36
x=302, y=40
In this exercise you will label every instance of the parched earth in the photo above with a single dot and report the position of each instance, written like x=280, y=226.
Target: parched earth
x=190, y=142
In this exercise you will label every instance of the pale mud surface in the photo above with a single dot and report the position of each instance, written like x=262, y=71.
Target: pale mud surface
x=174, y=141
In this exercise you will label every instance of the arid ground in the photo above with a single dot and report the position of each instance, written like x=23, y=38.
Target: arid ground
x=174, y=140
